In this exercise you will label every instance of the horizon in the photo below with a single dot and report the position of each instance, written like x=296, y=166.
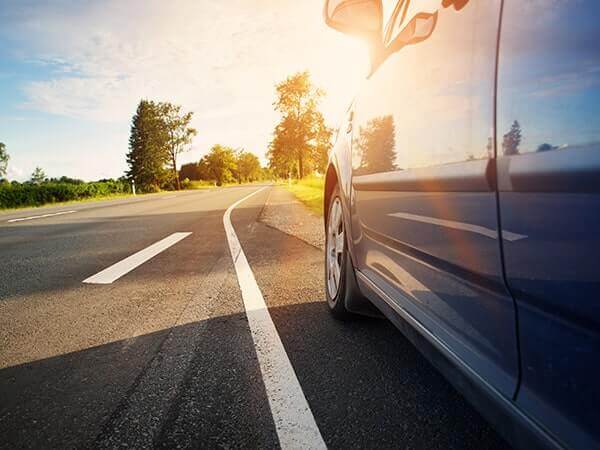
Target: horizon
x=72, y=76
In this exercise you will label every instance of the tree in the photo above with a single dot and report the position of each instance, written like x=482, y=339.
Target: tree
x=220, y=163
x=322, y=146
x=248, y=167
x=546, y=147
x=147, y=147
x=38, y=176
x=299, y=139
x=190, y=171
x=3, y=160
x=179, y=134
x=512, y=140
x=376, y=145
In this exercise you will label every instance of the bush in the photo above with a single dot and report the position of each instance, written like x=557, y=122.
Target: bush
x=16, y=195
x=185, y=183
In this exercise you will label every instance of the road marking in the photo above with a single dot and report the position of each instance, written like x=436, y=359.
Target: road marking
x=294, y=421
x=488, y=232
x=126, y=265
x=21, y=219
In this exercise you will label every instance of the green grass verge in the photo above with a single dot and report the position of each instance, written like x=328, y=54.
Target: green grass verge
x=309, y=191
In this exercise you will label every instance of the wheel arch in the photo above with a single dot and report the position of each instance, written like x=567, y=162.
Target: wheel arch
x=331, y=181
x=354, y=300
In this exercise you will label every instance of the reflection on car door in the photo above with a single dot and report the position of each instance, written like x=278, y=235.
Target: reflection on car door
x=549, y=183
x=425, y=223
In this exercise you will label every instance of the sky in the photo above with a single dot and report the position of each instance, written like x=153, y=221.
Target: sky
x=73, y=71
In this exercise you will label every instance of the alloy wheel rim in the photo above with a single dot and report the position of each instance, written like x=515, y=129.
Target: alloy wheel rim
x=335, y=248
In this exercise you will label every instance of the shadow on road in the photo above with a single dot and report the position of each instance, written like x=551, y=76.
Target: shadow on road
x=367, y=387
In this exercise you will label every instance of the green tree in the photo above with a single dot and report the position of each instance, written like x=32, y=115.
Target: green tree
x=320, y=154
x=3, y=160
x=248, y=167
x=376, y=145
x=300, y=138
x=38, y=176
x=512, y=140
x=147, y=147
x=179, y=134
x=221, y=164
x=190, y=171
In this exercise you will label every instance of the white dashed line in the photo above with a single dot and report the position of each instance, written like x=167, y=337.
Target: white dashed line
x=488, y=232
x=126, y=265
x=21, y=219
x=294, y=421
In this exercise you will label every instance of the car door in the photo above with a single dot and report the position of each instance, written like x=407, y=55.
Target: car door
x=425, y=224
x=549, y=183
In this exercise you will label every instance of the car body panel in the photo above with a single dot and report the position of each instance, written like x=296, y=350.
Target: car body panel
x=549, y=190
x=421, y=228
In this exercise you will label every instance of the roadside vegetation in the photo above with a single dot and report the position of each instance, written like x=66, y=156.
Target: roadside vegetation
x=40, y=190
x=161, y=132
x=309, y=190
x=301, y=140
x=20, y=195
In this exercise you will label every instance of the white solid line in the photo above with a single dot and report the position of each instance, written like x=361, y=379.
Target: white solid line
x=20, y=219
x=126, y=265
x=294, y=421
x=488, y=232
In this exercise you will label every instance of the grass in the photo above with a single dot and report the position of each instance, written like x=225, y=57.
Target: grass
x=309, y=191
x=198, y=184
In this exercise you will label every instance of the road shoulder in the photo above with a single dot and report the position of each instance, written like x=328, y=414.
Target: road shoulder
x=285, y=213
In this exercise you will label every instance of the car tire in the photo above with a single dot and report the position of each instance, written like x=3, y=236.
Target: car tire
x=338, y=266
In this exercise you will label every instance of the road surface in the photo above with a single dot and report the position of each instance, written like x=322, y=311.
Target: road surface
x=166, y=344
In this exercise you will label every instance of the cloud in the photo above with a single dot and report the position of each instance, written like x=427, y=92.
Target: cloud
x=219, y=59
x=565, y=84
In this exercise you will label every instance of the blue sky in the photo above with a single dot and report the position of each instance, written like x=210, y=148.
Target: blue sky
x=72, y=72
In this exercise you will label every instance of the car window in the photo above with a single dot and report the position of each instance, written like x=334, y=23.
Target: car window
x=549, y=77
x=422, y=108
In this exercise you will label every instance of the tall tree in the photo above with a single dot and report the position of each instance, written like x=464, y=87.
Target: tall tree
x=3, y=160
x=512, y=140
x=377, y=145
x=38, y=176
x=295, y=136
x=248, y=167
x=221, y=164
x=179, y=132
x=147, y=147
x=322, y=146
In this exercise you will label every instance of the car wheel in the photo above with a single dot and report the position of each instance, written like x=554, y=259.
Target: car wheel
x=337, y=261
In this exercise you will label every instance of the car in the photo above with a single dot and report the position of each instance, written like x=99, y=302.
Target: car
x=462, y=201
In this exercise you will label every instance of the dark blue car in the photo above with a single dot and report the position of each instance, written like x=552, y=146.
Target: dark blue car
x=463, y=200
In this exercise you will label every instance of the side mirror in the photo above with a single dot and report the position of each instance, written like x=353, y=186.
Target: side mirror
x=363, y=18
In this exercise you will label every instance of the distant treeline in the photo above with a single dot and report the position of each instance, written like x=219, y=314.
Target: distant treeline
x=17, y=195
x=224, y=165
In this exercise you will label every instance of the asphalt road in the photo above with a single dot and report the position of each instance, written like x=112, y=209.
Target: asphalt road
x=165, y=356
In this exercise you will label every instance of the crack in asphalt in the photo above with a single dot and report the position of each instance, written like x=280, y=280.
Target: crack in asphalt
x=138, y=419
